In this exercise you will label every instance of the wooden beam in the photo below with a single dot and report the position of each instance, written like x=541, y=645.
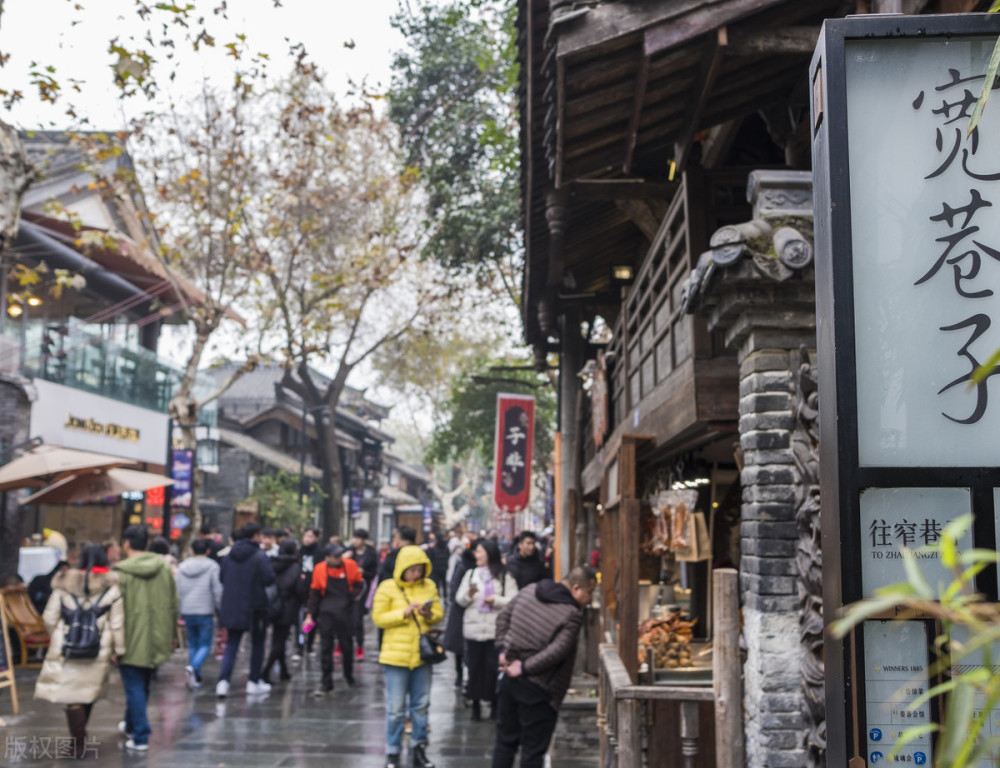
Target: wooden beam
x=641, y=78
x=640, y=214
x=623, y=189
x=614, y=20
x=711, y=63
x=698, y=22
x=755, y=42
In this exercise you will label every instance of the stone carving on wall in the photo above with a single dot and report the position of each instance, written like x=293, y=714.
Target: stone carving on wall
x=809, y=556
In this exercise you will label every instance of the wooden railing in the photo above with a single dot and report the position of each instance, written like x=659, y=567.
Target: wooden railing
x=621, y=706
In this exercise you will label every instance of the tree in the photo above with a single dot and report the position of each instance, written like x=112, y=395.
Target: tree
x=453, y=101
x=199, y=163
x=469, y=426
x=341, y=276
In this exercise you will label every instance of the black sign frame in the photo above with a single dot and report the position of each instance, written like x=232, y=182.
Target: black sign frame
x=841, y=475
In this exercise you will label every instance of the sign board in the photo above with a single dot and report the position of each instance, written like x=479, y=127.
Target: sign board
x=181, y=470
x=907, y=265
x=515, y=438
x=73, y=418
x=6, y=662
x=355, y=504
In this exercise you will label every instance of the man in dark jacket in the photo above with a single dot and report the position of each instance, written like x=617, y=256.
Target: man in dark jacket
x=437, y=551
x=310, y=553
x=246, y=572
x=362, y=553
x=537, y=637
x=525, y=565
x=336, y=583
x=285, y=615
x=402, y=536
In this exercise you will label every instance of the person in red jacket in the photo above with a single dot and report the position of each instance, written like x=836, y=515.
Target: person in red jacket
x=336, y=584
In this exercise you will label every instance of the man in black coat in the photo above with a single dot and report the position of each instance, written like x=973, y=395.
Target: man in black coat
x=402, y=536
x=525, y=565
x=364, y=555
x=310, y=553
x=246, y=572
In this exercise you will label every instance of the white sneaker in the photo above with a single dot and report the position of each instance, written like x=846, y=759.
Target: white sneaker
x=131, y=745
x=258, y=687
x=192, y=678
x=122, y=730
x=222, y=689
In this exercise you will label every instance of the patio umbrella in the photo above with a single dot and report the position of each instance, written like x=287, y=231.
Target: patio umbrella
x=47, y=463
x=97, y=485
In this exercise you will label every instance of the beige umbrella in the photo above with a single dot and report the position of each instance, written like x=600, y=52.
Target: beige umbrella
x=47, y=463
x=97, y=485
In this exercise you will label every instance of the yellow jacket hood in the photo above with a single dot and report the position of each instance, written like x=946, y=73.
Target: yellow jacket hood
x=410, y=555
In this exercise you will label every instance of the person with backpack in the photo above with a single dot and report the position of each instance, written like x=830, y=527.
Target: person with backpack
x=454, y=636
x=85, y=619
x=484, y=591
x=200, y=593
x=150, y=602
x=284, y=612
x=336, y=584
x=246, y=575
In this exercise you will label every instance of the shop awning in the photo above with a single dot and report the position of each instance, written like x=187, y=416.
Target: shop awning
x=46, y=464
x=395, y=496
x=97, y=485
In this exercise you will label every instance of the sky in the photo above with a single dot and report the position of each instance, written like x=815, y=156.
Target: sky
x=349, y=40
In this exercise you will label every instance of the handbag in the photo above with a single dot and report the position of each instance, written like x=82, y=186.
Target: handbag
x=431, y=649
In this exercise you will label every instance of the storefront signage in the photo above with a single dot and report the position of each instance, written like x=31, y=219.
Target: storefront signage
x=515, y=437
x=907, y=264
x=72, y=418
x=181, y=470
x=98, y=428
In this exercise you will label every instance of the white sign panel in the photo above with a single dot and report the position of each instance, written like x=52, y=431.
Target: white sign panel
x=893, y=518
x=925, y=210
x=76, y=419
x=895, y=675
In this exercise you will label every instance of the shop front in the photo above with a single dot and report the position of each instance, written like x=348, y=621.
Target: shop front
x=72, y=418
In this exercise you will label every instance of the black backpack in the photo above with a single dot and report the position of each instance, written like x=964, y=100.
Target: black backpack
x=83, y=637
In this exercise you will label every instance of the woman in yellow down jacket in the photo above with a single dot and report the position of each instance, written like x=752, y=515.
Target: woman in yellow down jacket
x=405, y=606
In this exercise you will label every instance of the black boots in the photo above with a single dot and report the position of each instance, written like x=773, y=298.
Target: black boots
x=477, y=711
x=420, y=759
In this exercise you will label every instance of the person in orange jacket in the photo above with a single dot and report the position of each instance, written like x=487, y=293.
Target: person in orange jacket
x=336, y=584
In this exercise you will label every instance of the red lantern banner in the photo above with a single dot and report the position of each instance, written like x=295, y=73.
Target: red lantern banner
x=515, y=438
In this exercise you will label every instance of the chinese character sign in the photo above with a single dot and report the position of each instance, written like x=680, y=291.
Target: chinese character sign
x=926, y=251
x=515, y=439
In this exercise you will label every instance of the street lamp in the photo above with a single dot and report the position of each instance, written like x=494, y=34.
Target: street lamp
x=303, y=483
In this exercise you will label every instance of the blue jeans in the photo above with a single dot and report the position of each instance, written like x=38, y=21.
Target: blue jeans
x=135, y=680
x=199, y=639
x=400, y=681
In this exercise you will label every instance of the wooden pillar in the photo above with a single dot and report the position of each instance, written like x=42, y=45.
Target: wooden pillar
x=689, y=733
x=628, y=559
x=570, y=362
x=629, y=733
x=727, y=670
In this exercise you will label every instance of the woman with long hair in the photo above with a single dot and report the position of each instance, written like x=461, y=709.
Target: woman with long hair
x=454, y=636
x=79, y=682
x=483, y=593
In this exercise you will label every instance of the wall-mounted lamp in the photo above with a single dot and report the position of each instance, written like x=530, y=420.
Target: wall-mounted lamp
x=34, y=301
x=623, y=274
x=15, y=310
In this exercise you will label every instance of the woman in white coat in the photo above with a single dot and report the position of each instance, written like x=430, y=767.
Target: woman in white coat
x=484, y=591
x=79, y=682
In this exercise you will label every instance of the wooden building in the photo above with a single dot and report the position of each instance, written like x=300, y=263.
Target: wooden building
x=667, y=211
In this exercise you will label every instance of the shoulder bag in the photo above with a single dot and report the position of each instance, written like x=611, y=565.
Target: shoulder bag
x=431, y=649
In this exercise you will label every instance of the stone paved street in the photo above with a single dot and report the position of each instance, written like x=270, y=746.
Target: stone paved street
x=284, y=729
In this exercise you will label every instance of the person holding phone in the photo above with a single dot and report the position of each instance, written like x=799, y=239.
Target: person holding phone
x=485, y=590
x=405, y=607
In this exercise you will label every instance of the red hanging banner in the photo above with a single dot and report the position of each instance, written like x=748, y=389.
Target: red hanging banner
x=515, y=438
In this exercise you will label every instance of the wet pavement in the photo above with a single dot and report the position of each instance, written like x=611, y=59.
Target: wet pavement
x=284, y=729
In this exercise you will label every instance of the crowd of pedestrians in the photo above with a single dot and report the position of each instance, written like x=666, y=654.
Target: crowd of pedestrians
x=511, y=629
